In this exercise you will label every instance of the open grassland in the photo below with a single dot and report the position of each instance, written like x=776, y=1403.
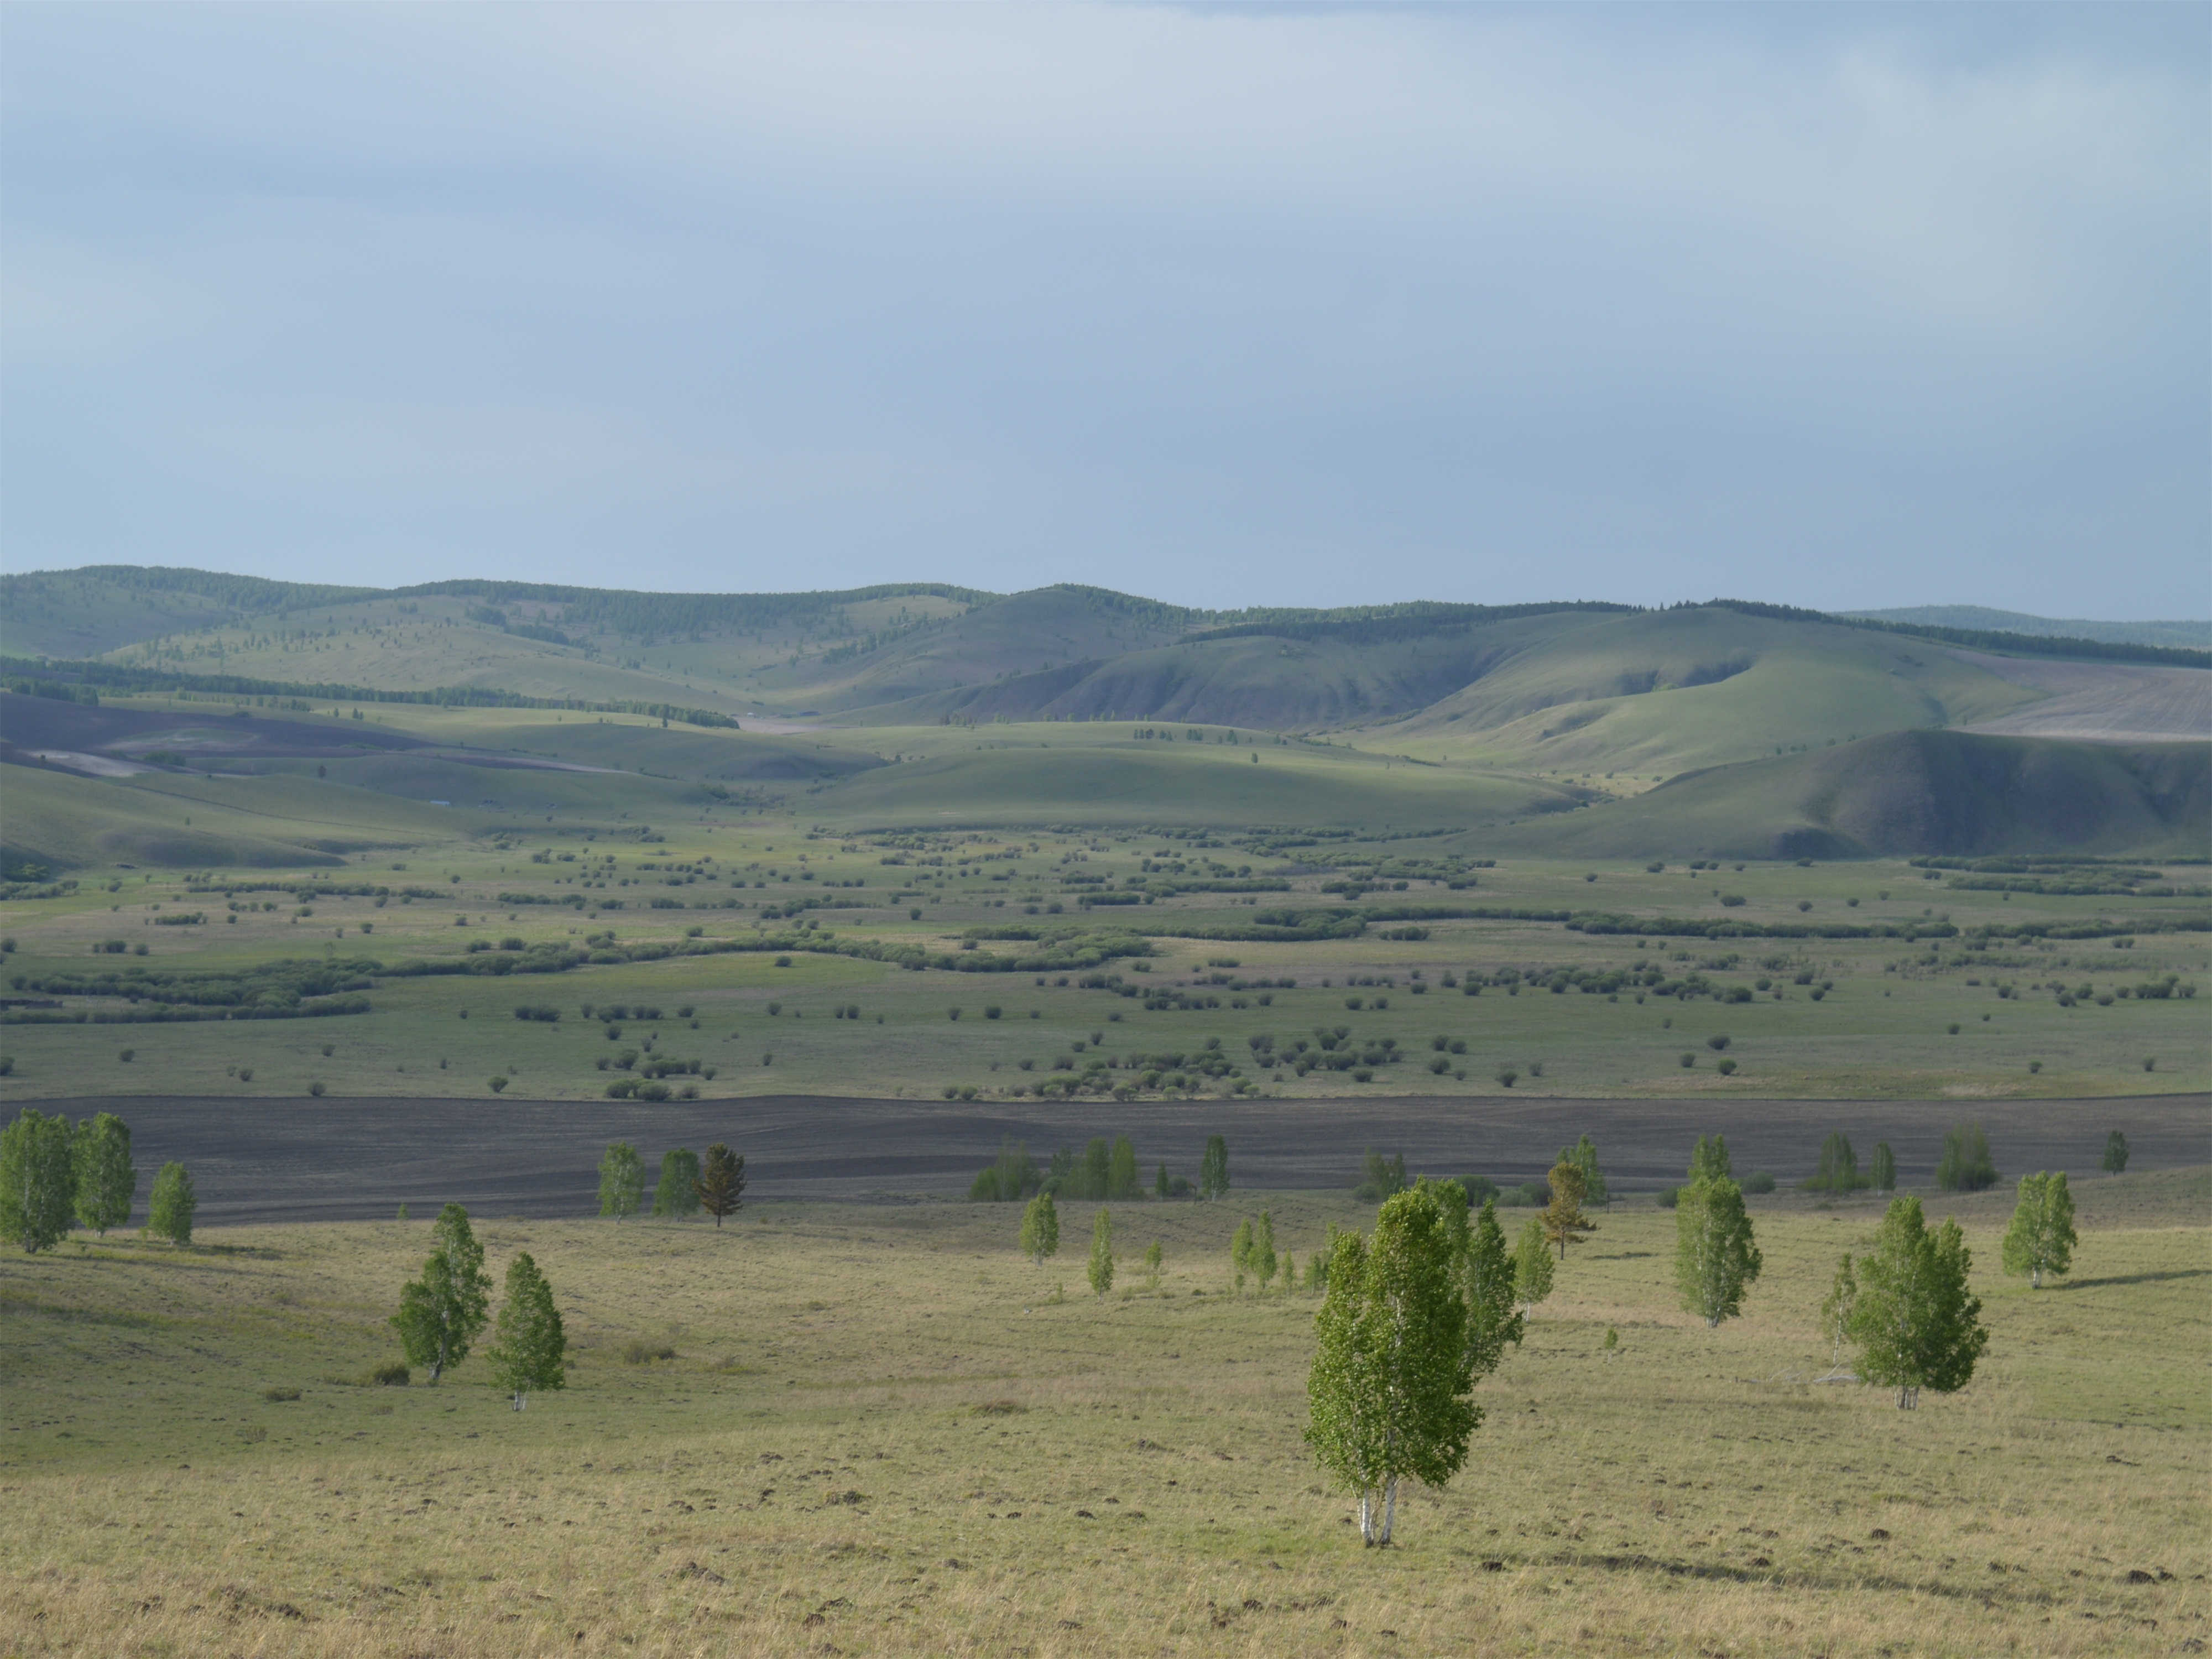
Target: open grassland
x=877, y=1430
x=1198, y=1009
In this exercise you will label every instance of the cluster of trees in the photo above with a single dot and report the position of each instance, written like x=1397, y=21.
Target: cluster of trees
x=54, y=1176
x=1103, y=1172
x=442, y=1313
x=1840, y=1172
x=1040, y=1239
x=685, y=1187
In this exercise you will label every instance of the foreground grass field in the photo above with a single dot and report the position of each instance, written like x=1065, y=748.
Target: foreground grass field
x=878, y=1431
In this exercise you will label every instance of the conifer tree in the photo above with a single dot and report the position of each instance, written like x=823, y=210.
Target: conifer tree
x=676, y=1196
x=171, y=1207
x=1715, y=1259
x=1041, y=1229
x=1532, y=1266
x=1101, y=1265
x=1916, y=1325
x=621, y=1181
x=1213, y=1169
x=722, y=1188
x=106, y=1181
x=1563, y=1219
x=528, y=1345
x=37, y=1181
x=1583, y=1156
x=1388, y=1391
x=2041, y=1239
x=1881, y=1169
x=442, y=1313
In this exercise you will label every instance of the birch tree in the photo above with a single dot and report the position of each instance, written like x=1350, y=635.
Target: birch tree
x=170, y=1208
x=1041, y=1229
x=1532, y=1266
x=1101, y=1264
x=1715, y=1257
x=1916, y=1325
x=621, y=1181
x=1836, y=1312
x=37, y=1181
x=2041, y=1239
x=529, y=1345
x=106, y=1180
x=1388, y=1387
x=442, y=1313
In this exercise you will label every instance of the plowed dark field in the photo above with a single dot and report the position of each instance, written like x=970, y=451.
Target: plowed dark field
x=269, y=1160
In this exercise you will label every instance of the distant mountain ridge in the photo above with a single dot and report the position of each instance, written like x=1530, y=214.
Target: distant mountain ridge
x=2186, y=635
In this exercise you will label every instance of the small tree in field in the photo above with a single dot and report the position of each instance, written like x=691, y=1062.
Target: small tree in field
x=621, y=1181
x=2116, y=1154
x=1916, y=1324
x=1101, y=1265
x=169, y=1212
x=1964, y=1166
x=674, y=1196
x=1240, y=1251
x=528, y=1345
x=1711, y=1157
x=722, y=1188
x=1387, y=1392
x=1836, y=1311
x=106, y=1181
x=1839, y=1166
x=1213, y=1169
x=1532, y=1266
x=1041, y=1229
x=1264, y=1262
x=1563, y=1219
x=38, y=1180
x=1881, y=1168
x=1485, y=1278
x=2041, y=1237
x=442, y=1313
x=1152, y=1256
x=1583, y=1156
x=1715, y=1259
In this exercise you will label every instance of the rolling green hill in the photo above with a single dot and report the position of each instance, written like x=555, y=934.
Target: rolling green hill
x=1914, y=792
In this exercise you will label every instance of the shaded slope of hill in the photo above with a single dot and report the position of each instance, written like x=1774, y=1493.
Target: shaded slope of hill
x=1909, y=793
x=1165, y=783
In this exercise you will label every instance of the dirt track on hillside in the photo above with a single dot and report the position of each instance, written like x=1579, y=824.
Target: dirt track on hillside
x=274, y=1160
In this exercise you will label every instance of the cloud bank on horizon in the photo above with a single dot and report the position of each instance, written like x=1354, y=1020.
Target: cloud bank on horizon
x=1834, y=307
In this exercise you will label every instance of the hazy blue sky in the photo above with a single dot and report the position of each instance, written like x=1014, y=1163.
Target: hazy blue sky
x=1854, y=306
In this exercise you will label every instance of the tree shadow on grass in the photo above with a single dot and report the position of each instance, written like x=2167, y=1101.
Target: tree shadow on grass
x=2135, y=1279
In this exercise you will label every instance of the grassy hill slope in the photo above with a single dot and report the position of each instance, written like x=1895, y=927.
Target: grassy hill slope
x=1914, y=792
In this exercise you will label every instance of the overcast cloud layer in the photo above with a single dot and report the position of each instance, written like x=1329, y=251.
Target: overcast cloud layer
x=1857, y=308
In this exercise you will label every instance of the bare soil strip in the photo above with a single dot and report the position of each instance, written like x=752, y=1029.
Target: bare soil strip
x=291, y=1160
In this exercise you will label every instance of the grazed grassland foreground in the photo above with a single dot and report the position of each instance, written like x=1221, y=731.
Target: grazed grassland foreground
x=876, y=1430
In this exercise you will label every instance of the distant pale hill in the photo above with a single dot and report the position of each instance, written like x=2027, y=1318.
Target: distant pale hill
x=2188, y=635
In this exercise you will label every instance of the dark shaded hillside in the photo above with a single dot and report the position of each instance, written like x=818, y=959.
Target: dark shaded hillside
x=1906, y=793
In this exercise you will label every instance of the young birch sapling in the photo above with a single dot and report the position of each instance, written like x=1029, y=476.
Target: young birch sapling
x=1041, y=1229
x=1101, y=1265
x=621, y=1181
x=1532, y=1266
